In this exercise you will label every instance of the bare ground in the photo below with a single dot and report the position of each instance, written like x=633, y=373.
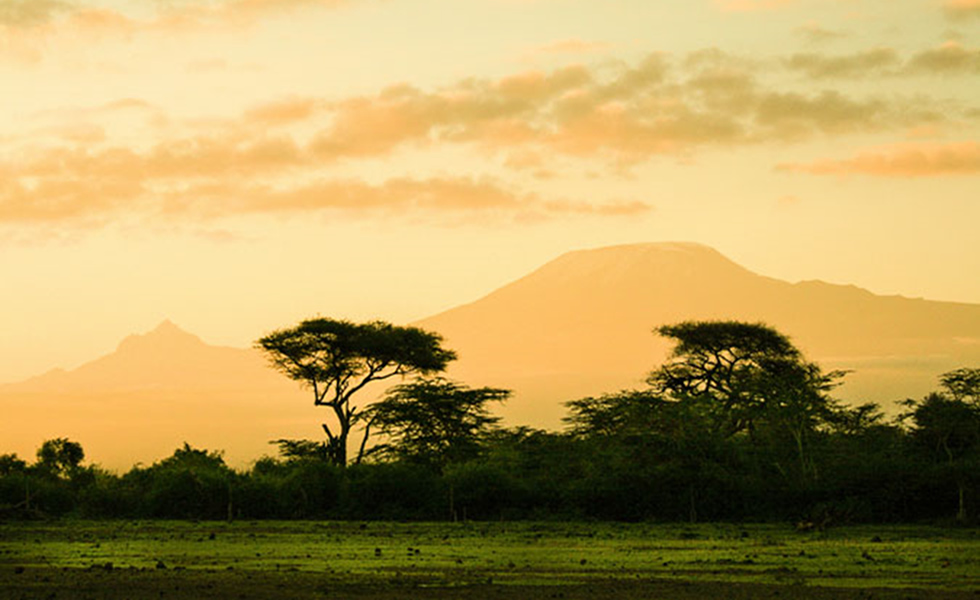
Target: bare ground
x=34, y=583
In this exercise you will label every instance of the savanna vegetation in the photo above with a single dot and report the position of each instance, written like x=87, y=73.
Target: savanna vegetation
x=519, y=560
x=736, y=426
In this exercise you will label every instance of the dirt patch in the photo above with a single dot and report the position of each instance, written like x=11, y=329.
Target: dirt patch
x=106, y=582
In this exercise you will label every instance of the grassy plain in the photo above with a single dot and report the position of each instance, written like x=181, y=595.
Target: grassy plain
x=275, y=559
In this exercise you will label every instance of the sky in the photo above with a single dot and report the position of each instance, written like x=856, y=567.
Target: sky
x=238, y=165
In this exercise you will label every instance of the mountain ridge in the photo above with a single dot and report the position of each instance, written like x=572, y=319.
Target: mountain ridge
x=154, y=392
x=166, y=357
x=596, y=310
x=579, y=325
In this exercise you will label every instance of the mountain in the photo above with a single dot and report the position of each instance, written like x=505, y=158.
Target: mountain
x=582, y=325
x=579, y=325
x=153, y=393
x=164, y=358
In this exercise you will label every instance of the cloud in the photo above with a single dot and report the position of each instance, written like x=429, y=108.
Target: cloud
x=191, y=13
x=30, y=13
x=816, y=34
x=127, y=104
x=531, y=125
x=791, y=115
x=249, y=167
x=901, y=160
x=60, y=16
x=395, y=195
x=208, y=65
x=962, y=9
x=94, y=202
x=464, y=196
x=59, y=199
x=950, y=58
x=751, y=5
x=860, y=64
x=502, y=112
x=568, y=46
x=284, y=112
x=90, y=114
x=187, y=158
x=632, y=114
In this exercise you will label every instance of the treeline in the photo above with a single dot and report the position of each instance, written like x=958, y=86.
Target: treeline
x=737, y=425
x=865, y=472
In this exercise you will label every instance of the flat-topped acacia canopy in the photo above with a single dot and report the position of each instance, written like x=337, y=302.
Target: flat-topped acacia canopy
x=337, y=358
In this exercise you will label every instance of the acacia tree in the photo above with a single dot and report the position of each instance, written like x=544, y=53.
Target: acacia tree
x=60, y=457
x=742, y=368
x=948, y=427
x=749, y=377
x=620, y=414
x=337, y=358
x=963, y=384
x=435, y=421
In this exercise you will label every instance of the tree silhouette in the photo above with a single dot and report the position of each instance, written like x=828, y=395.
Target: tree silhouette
x=337, y=358
x=60, y=457
x=963, y=384
x=435, y=422
x=750, y=377
x=744, y=369
x=948, y=429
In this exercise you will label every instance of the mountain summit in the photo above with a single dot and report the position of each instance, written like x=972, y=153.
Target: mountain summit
x=165, y=338
x=165, y=358
x=632, y=263
x=583, y=324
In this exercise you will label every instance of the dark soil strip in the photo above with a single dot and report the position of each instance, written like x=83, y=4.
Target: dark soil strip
x=112, y=583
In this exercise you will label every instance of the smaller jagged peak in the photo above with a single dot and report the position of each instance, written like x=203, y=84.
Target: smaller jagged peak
x=167, y=327
x=165, y=335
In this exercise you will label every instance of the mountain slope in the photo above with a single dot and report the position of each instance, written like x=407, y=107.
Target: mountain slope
x=164, y=358
x=582, y=324
x=153, y=393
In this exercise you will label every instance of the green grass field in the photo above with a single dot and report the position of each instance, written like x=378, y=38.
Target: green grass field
x=326, y=559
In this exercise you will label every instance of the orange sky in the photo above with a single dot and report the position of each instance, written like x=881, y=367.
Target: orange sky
x=237, y=165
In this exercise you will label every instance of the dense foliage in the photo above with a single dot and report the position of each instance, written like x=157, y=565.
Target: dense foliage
x=336, y=359
x=736, y=426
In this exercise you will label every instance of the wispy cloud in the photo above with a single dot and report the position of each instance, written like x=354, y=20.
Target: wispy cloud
x=962, y=9
x=285, y=112
x=460, y=198
x=93, y=202
x=196, y=13
x=568, y=46
x=165, y=15
x=901, y=160
x=859, y=64
x=950, y=58
x=751, y=5
x=815, y=33
x=31, y=13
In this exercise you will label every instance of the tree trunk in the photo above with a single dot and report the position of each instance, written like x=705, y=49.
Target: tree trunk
x=340, y=452
x=961, y=511
x=693, y=509
x=360, y=451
